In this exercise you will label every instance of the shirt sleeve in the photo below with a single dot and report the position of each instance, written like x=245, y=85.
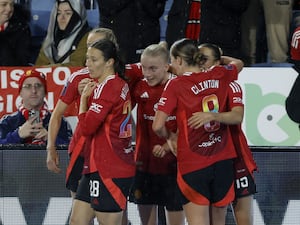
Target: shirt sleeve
x=168, y=100
x=133, y=73
x=232, y=71
x=235, y=95
x=69, y=92
x=9, y=131
x=11, y=138
x=295, y=47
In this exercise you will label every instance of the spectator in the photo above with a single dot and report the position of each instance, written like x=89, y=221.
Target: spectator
x=134, y=22
x=278, y=16
x=30, y=123
x=155, y=179
x=221, y=24
x=277, y=19
x=292, y=102
x=261, y=46
x=65, y=42
x=296, y=5
x=183, y=20
x=15, y=35
x=105, y=119
x=249, y=25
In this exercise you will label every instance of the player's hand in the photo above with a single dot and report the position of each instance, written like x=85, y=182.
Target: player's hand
x=198, y=119
x=159, y=151
x=88, y=89
x=172, y=143
x=53, y=160
x=82, y=84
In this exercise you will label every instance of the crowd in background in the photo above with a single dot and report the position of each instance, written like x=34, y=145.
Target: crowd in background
x=257, y=31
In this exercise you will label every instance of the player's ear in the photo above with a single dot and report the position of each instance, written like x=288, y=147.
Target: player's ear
x=110, y=62
x=178, y=60
x=167, y=67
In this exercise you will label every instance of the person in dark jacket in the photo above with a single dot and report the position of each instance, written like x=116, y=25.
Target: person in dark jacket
x=134, y=22
x=29, y=124
x=183, y=20
x=292, y=101
x=221, y=24
x=15, y=35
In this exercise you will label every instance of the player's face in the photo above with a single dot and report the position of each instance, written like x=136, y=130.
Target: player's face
x=32, y=93
x=6, y=10
x=210, y=59
x=95, y=63
x=155, y=69
x=64, y=14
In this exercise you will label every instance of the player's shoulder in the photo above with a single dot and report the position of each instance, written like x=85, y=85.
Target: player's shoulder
x=133, y=66
x=173, y=82
x=172, y=76
x=229, y=67
x=235, y=87
x=114, y=82
x=133, y=71
x=79, y=75
x=296, y=33
x=10, y=116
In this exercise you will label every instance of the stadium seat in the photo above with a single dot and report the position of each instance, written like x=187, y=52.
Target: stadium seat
x=93, y=17
x=39, y=22
x=43, y=5
x=164, y=20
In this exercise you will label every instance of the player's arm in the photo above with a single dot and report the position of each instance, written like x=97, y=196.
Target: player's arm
x=235, y=116
x=161, y=130
x=54, y=126
x=225, y=60
x=158, y=124
x=171, y=145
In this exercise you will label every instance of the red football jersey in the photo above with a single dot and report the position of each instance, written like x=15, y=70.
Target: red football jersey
x=134, y=73
x=147, y=98
x=108, y=123
x=240, y=142
x=295, y=45
x=70, y=92
x=194, y=92
x=70, y=95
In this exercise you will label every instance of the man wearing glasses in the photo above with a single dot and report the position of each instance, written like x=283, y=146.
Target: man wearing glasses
x=29, y=125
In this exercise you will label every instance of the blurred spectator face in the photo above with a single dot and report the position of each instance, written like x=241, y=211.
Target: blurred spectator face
x=32, y=93
x=6, y=10
x=64, y=14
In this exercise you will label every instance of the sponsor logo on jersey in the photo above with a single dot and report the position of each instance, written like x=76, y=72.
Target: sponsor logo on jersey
x=145, y=95
x=96, y=107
